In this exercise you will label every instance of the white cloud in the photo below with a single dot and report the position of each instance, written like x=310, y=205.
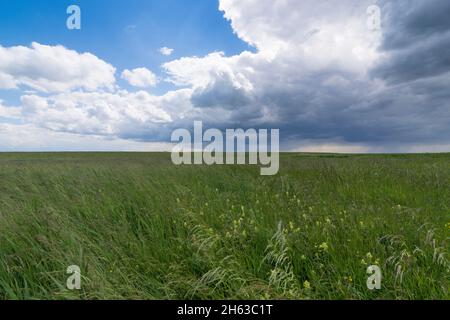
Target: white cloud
x=293, y=39
x=306, y=26
x=166, y=51
x=140, y=77
x=134, y=115
x=199, y=72
x=53, y=69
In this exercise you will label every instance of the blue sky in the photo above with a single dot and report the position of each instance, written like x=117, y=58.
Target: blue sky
x=347, y=76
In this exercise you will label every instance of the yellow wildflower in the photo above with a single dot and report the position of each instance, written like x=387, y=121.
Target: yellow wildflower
x=307, y=285
x=324, y=246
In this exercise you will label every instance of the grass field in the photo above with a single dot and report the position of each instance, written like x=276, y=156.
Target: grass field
x=142, y=228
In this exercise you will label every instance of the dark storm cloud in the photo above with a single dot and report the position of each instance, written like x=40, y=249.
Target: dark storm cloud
x=408, y=22
x=416, y=40
x=427, y=59
x=221, y=93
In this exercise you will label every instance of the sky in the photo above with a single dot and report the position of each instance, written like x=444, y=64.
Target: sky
x=325, y=73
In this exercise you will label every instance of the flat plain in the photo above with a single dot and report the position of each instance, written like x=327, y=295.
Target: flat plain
x=141, y=228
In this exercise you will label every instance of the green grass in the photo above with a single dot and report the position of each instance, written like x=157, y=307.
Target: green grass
x=141, y=228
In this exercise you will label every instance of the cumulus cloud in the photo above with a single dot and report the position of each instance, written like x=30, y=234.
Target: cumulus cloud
x=165, y=51
x=140, y=77
x=53, y=69
x=200, y=72
x=298, y=72
x=120, y=114
x=320, y=73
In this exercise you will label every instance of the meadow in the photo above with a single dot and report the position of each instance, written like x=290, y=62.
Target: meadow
x=141, y=228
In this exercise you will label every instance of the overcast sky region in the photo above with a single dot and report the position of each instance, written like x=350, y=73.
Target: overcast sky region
x=137, y=70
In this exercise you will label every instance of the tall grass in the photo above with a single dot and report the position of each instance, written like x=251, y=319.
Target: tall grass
x=141, y=228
